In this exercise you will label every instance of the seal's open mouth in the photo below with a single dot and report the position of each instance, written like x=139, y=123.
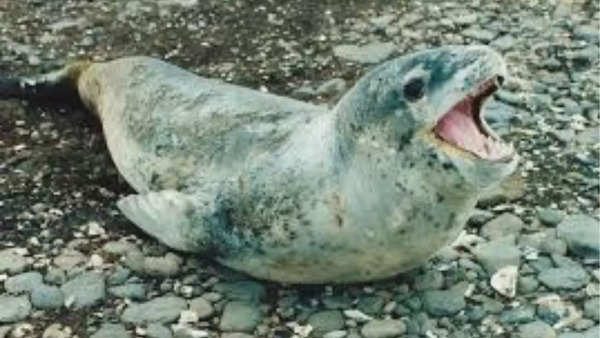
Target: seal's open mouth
x=463, y=127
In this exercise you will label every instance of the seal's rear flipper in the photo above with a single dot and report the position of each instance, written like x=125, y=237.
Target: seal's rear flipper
x=169, y=216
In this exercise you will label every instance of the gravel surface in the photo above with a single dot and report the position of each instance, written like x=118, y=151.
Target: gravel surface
x=72, y=266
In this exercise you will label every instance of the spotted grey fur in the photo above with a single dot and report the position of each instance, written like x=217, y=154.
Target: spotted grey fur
x=285, y=190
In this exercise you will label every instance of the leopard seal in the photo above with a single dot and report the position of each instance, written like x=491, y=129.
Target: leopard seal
x=289, y=191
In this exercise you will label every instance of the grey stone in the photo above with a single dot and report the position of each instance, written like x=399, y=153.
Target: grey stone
x=582, y=233
x=111, y=331
x=304, y=93
x=566, y=278
x=12, y=262
x=370, y=305
x=155, y=330
x=430, y=280
x=326, y=321
x=480, y=34
x=537, y=329
x=593, y=332
x=588, y=33
x=247, y=291
x=130, y=291
x=372, y=53
x=544, y=241
x=201, y=307
x=443, y=303
x=337, y=302
x=527, y=285
x=25, y=282
x=591, y=308
x=388, y=328
x=549, y=216
x=4, y=331
x=236, y=335
x=497, y=254
x=159, y=310
x=501, y=226
x=381, y=22
x=518, y=315
x=504, y=43
x=119, y=276
x=553, y=311
x=56, y=330
x=68, y=259
x=240, y=316
x=14, y=309
x=167, y=266
x=56, y=276
x=465, y=19
x=87, y=289
x=47, y=297
x=182, y=331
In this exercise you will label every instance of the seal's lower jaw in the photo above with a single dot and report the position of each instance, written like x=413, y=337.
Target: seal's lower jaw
x=464, y=129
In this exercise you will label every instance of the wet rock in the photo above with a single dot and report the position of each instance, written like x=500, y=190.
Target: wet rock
x=497, y=254
x=372, y=53
x=443, y=303
x=518, y=315
x=111, y=331
x=565, y=278
x=326, y=321
x=47, y=297
x=12, y=262
x=383, y=328
x=503, y=225
x=14, y=309
x=536, y=329
x=25, y=282
x=85, y=290
x=247, y=291
x=159, y=310
x=201, y=307
x=581, y=232
x=155, y=330
x=131, y=291
x=549, y=216
x=240, y=316
x=591, y=308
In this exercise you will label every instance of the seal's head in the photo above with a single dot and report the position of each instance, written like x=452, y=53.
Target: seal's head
x=428, y=107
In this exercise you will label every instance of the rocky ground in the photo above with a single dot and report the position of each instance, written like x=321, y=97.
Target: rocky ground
x=526, y=266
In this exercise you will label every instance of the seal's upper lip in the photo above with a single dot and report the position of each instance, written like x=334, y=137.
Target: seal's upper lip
x=463, y=126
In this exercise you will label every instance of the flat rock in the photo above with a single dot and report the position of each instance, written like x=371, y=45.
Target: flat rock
x=87, y=289
x=581, y=232
x=388, y=328
x=131, y=291
x=501, y=226
x=496, y=254
x=372, y=53
x=68, y=259
x=537, y=329
x=47, y=297
x=14, y=309
x=24, y=282
x=111, y=331
x=441, y=303
x=167, y=266
x=518, y=315
x=326, y=321
x=155, y=330
x=202, y=308
x=591, y=308
x=12, y=262
x=564, y=278
x=56, y=330
x=240, y=316
x=549, y=216
x=247, y=291
x=159, y=310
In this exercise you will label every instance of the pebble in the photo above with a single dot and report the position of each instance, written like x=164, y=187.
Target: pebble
x=202, y=308
x=12, y=262
x=591, y=308
x=4, y=330
x=155, y=330
x=247, y=291
x=167, y=266
x=25, y=282
x=430, y=280
x=236, y=335
x=370, y=305
x=162, y=310
x=503, y=225
x=69, y=259
x=537, y=329
x=372, y=53
x=544, y=241
x=326, y=321
x=388, y=328
x=188, y=332
x=240, y=316
x=133, y=291
x=581, y=232
x=14, y=309
x=85, y=290
x=566, y=278
x=497, y=254
x=504, y=281
x=333, y=87
x=518, y=315
x=47, y=297
x=57, y=331
x=111, y=331
x=551, y=217
x=443, y=303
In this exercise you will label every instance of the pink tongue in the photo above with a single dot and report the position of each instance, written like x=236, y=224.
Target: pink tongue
x=458, y=128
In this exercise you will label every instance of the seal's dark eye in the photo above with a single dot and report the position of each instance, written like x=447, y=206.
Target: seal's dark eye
x=414, y=89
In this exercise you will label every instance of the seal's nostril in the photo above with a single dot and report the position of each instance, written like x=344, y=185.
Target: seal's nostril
x=500, y=80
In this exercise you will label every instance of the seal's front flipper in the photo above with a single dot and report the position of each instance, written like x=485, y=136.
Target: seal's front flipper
x=174, y=218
